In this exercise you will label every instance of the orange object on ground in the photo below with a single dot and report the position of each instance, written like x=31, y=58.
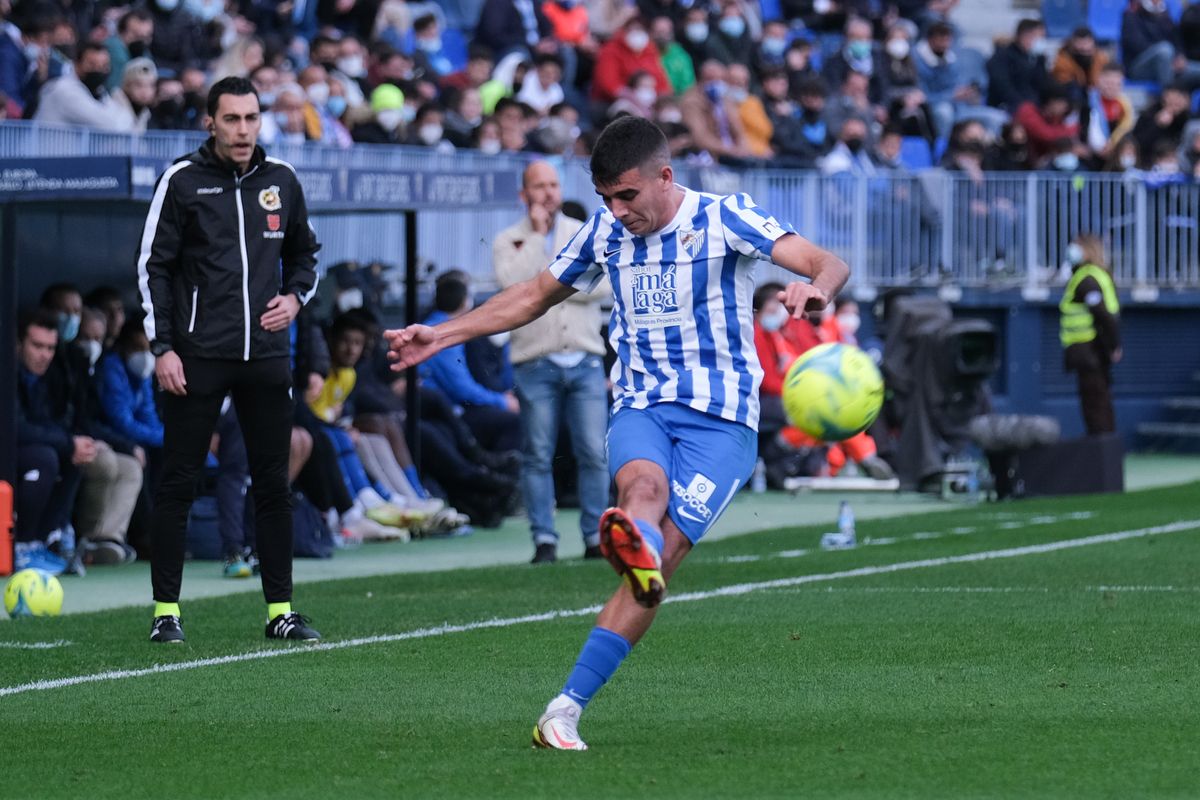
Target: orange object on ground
x=6, y=525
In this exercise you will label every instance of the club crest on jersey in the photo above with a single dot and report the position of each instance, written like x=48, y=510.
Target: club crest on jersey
x=655, y=293
x=692, y=241
x=269, y=199
x=272, y=222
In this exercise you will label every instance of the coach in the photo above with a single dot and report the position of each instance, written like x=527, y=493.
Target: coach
x=227, y=258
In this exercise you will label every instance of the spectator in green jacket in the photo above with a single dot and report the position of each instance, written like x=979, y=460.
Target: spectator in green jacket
x=681, y=72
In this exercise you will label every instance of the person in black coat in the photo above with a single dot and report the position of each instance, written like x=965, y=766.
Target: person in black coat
x=504, y=29
x=1017, y=72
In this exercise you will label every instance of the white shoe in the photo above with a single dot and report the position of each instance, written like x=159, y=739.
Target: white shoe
x=368, y=530
x=558, y=729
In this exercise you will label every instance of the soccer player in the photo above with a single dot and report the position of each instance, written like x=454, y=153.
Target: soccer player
x=681, y=438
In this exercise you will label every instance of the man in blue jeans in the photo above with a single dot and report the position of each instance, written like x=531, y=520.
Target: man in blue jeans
x=558, y=367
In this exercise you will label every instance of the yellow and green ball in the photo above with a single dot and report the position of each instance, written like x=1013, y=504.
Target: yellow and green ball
x=833, y=392
x=33, y=593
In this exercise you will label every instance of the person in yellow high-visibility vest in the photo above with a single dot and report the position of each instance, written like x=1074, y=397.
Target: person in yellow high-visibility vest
x=1090, y=331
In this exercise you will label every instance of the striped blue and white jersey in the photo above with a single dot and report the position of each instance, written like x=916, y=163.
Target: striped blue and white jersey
x=682, y=322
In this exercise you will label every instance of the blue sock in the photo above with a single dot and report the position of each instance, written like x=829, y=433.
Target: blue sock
x=602, y=653
x=414, y=479
x=651, y=533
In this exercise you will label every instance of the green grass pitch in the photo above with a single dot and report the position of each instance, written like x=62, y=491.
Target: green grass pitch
x=909, y=667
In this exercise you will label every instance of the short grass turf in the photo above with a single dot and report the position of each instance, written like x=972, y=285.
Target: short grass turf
x=1062, y=674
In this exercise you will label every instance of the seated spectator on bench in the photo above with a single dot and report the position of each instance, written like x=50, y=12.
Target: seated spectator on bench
x=1153, y=48
x=127, y=388
x=492, y=416
x=49, y=452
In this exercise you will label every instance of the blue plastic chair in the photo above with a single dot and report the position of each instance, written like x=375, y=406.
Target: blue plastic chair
x=1062, y=17
x=771, y=10
x=1104, y=18
x=915, y=153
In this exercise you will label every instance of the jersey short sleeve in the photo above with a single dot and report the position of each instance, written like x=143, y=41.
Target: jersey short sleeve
x=576, y=265
x=748, y=229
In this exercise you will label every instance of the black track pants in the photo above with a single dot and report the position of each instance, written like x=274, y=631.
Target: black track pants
x=262, y=396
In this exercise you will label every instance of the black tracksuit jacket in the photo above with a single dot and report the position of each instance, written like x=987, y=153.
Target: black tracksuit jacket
x=216, y=248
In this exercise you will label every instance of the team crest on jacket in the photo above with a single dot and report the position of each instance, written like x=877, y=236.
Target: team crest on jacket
x=269, y=199
x=273, y=222
x=692, y=241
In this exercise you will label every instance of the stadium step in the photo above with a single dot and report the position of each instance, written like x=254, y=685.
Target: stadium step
x=1182, y=403
x=1170, y=437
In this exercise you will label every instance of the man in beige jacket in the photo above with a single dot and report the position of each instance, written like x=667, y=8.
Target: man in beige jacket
x=558, y=367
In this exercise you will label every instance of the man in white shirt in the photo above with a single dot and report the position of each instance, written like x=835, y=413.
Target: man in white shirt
x=541, y=89
x=558, y=367
x=79, y=97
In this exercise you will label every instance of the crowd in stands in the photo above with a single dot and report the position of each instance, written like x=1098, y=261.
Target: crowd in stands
x=90, y=437
x=840, y=85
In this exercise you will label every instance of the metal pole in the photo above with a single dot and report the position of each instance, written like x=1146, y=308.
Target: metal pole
x=412, y=397
x=8, y=343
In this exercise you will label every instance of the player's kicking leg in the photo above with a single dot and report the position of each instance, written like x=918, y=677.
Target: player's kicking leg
x=646, y=555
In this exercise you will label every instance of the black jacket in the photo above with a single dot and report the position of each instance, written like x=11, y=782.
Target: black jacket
x=1014, y=77
x=45, y=414
x=216, y=248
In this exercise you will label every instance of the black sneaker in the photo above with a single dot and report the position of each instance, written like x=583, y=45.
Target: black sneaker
x=592, y=552
x=166, y=629
x=545, y=553
x=291, y=626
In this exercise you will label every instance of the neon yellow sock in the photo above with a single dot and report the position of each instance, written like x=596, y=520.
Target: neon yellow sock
x=278, y=609
x=166, y=609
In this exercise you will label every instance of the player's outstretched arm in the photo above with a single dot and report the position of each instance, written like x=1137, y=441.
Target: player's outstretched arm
x=828, y=273
x=517, y=305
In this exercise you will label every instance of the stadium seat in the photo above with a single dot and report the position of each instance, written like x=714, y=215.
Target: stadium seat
x=939, y=148
x=771, y=9
x=915, y=153
x=1062, y=17
x=1104, y=18
x=454, y=47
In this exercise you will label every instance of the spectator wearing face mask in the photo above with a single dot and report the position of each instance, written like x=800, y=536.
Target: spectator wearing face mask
x=1010, y=152
x=135, y=32
x=676, y=63
x=1152, y=46
x=1162, y=121
x=127, y=388
x=1017, y=71
x=712, y=117
x=288, y=114
x=428, y=130
x=772, y=49
x=751, y=112
x=859, y=55
x=849, y=156
x=908, y=106
x=387, y=123
x=628, y=52
x=694, y=33
x=1048, y=122
x=177, y=35
x=79, y=98
x=429, y=55
x=1124, y=157
x=638, y=98
x=323, y=109
x=135, y=98
x=1079, y=62
x=730, y=43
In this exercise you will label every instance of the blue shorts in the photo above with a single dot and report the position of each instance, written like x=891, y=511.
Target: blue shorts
x=707, y=459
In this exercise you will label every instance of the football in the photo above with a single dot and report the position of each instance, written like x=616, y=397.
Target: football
x=833, y=392
x=33, y=593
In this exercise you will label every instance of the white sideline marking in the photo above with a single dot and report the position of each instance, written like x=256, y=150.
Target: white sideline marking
x=732, y=590
x=35, y=645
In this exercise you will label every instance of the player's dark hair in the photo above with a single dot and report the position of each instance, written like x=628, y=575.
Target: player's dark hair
x=628, y=143
x=42, y=318
x=450, y=295
x=231, y=85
